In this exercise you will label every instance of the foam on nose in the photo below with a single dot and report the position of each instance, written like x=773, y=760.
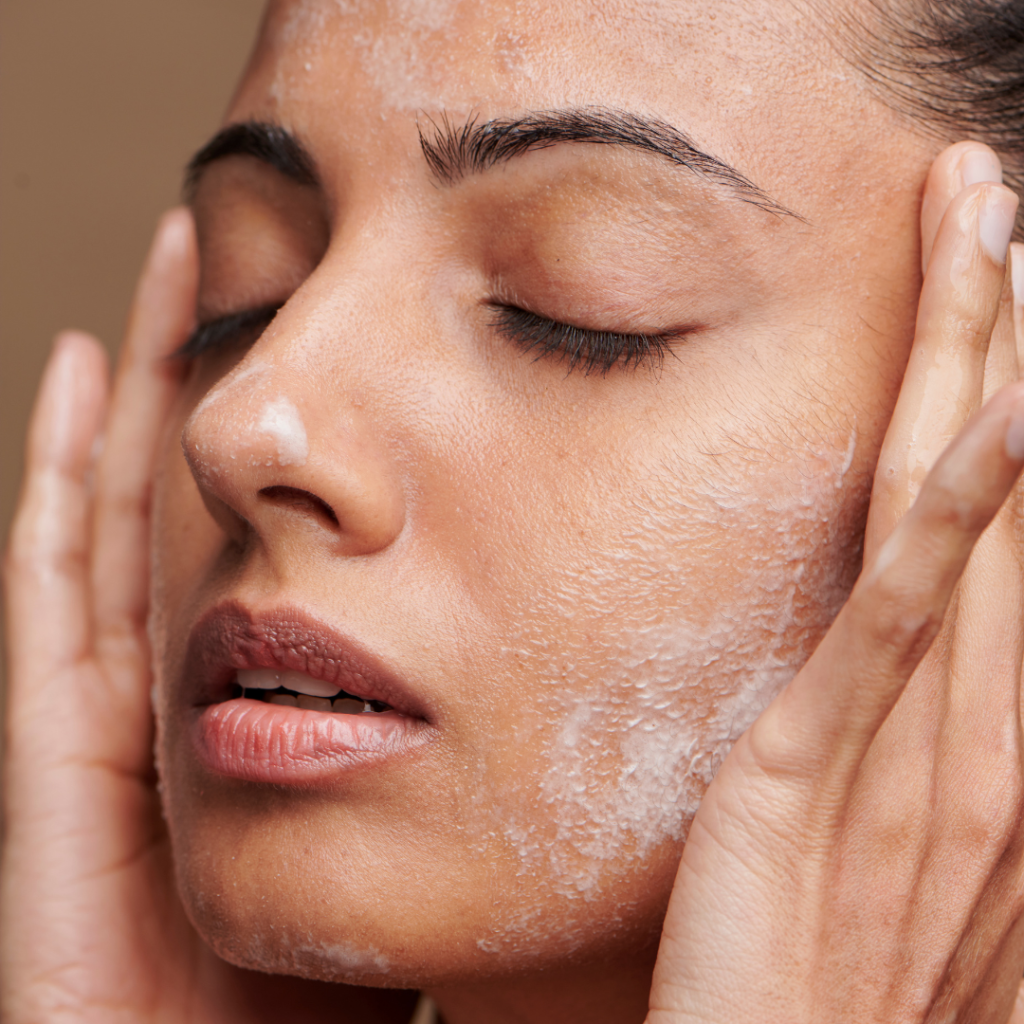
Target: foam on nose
x=281, y=420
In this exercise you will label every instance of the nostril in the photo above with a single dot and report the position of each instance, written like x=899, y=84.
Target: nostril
x=300, y=501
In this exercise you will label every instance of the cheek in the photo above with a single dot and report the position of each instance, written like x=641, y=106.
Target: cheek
x=185, y=538
x=186, y=546
x=614, y=646
x=645, y=654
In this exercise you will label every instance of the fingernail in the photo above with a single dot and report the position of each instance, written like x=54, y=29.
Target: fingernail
x=995, y=223
x=980, y=165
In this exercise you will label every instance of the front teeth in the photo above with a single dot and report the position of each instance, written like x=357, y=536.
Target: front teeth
x=301, y=691
x=297, y=682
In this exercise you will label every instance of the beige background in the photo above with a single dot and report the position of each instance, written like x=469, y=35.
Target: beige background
x=101, y=104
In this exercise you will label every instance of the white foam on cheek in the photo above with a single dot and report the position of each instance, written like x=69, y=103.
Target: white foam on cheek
x=642, y=723
x=851, y=450
x=281, y=420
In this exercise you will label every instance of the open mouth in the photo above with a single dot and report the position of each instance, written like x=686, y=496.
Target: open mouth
x=296, y=689
x=281, y=698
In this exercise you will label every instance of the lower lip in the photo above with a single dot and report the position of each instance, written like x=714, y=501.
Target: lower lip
x=273, y=743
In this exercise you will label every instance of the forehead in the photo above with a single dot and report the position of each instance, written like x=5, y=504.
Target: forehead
x=748, y=80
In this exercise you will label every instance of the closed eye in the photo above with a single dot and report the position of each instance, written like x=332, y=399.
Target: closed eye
x=227, y=331
x=582, y=348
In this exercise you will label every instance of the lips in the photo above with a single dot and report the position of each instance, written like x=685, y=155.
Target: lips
x=280, y=740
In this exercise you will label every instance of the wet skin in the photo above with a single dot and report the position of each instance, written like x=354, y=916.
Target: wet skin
x=585, y=585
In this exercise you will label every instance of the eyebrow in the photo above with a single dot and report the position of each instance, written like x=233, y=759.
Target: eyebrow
x=267, y=142
x=454, y=152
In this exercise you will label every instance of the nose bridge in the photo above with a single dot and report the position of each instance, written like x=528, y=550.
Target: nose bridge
x=274, y=458
x=387, y=269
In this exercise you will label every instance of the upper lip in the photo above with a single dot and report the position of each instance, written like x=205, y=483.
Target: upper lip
x=231, y=637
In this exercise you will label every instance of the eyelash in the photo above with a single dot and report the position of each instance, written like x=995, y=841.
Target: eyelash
x=580, y=348
x=226, y=330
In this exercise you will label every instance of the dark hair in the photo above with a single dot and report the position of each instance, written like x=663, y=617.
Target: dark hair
x=956, y=67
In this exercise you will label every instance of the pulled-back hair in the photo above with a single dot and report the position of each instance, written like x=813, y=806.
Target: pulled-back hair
x=955, y=66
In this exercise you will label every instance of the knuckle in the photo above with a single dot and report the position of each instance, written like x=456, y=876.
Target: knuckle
x=21, y=560
x=953, y=511
x=990, y=820
x=24, y=562
x=897, y=617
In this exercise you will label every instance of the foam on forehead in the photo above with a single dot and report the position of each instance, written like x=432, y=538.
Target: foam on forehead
x=391, y=61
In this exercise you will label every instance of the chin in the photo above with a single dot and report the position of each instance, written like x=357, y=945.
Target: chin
x=275, y=881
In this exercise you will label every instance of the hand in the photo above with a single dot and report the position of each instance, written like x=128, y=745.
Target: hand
x=91, y=927
x=859, y=856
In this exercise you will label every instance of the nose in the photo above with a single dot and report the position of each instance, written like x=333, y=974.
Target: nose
x=274, y=460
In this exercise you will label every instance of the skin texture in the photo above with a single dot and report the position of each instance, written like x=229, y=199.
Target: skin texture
x=592, y=583
x=490, y=541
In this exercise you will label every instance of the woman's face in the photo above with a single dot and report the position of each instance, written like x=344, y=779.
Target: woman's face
x=575, y=588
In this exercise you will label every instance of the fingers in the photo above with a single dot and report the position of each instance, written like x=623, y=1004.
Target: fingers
x=945, y=375
x=47, y=560
x=147, y=381
x=1017, y=279
x=984, y=644
x=1002, y=365
x=952, y=738
x=956, y=168
x=830, y=713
